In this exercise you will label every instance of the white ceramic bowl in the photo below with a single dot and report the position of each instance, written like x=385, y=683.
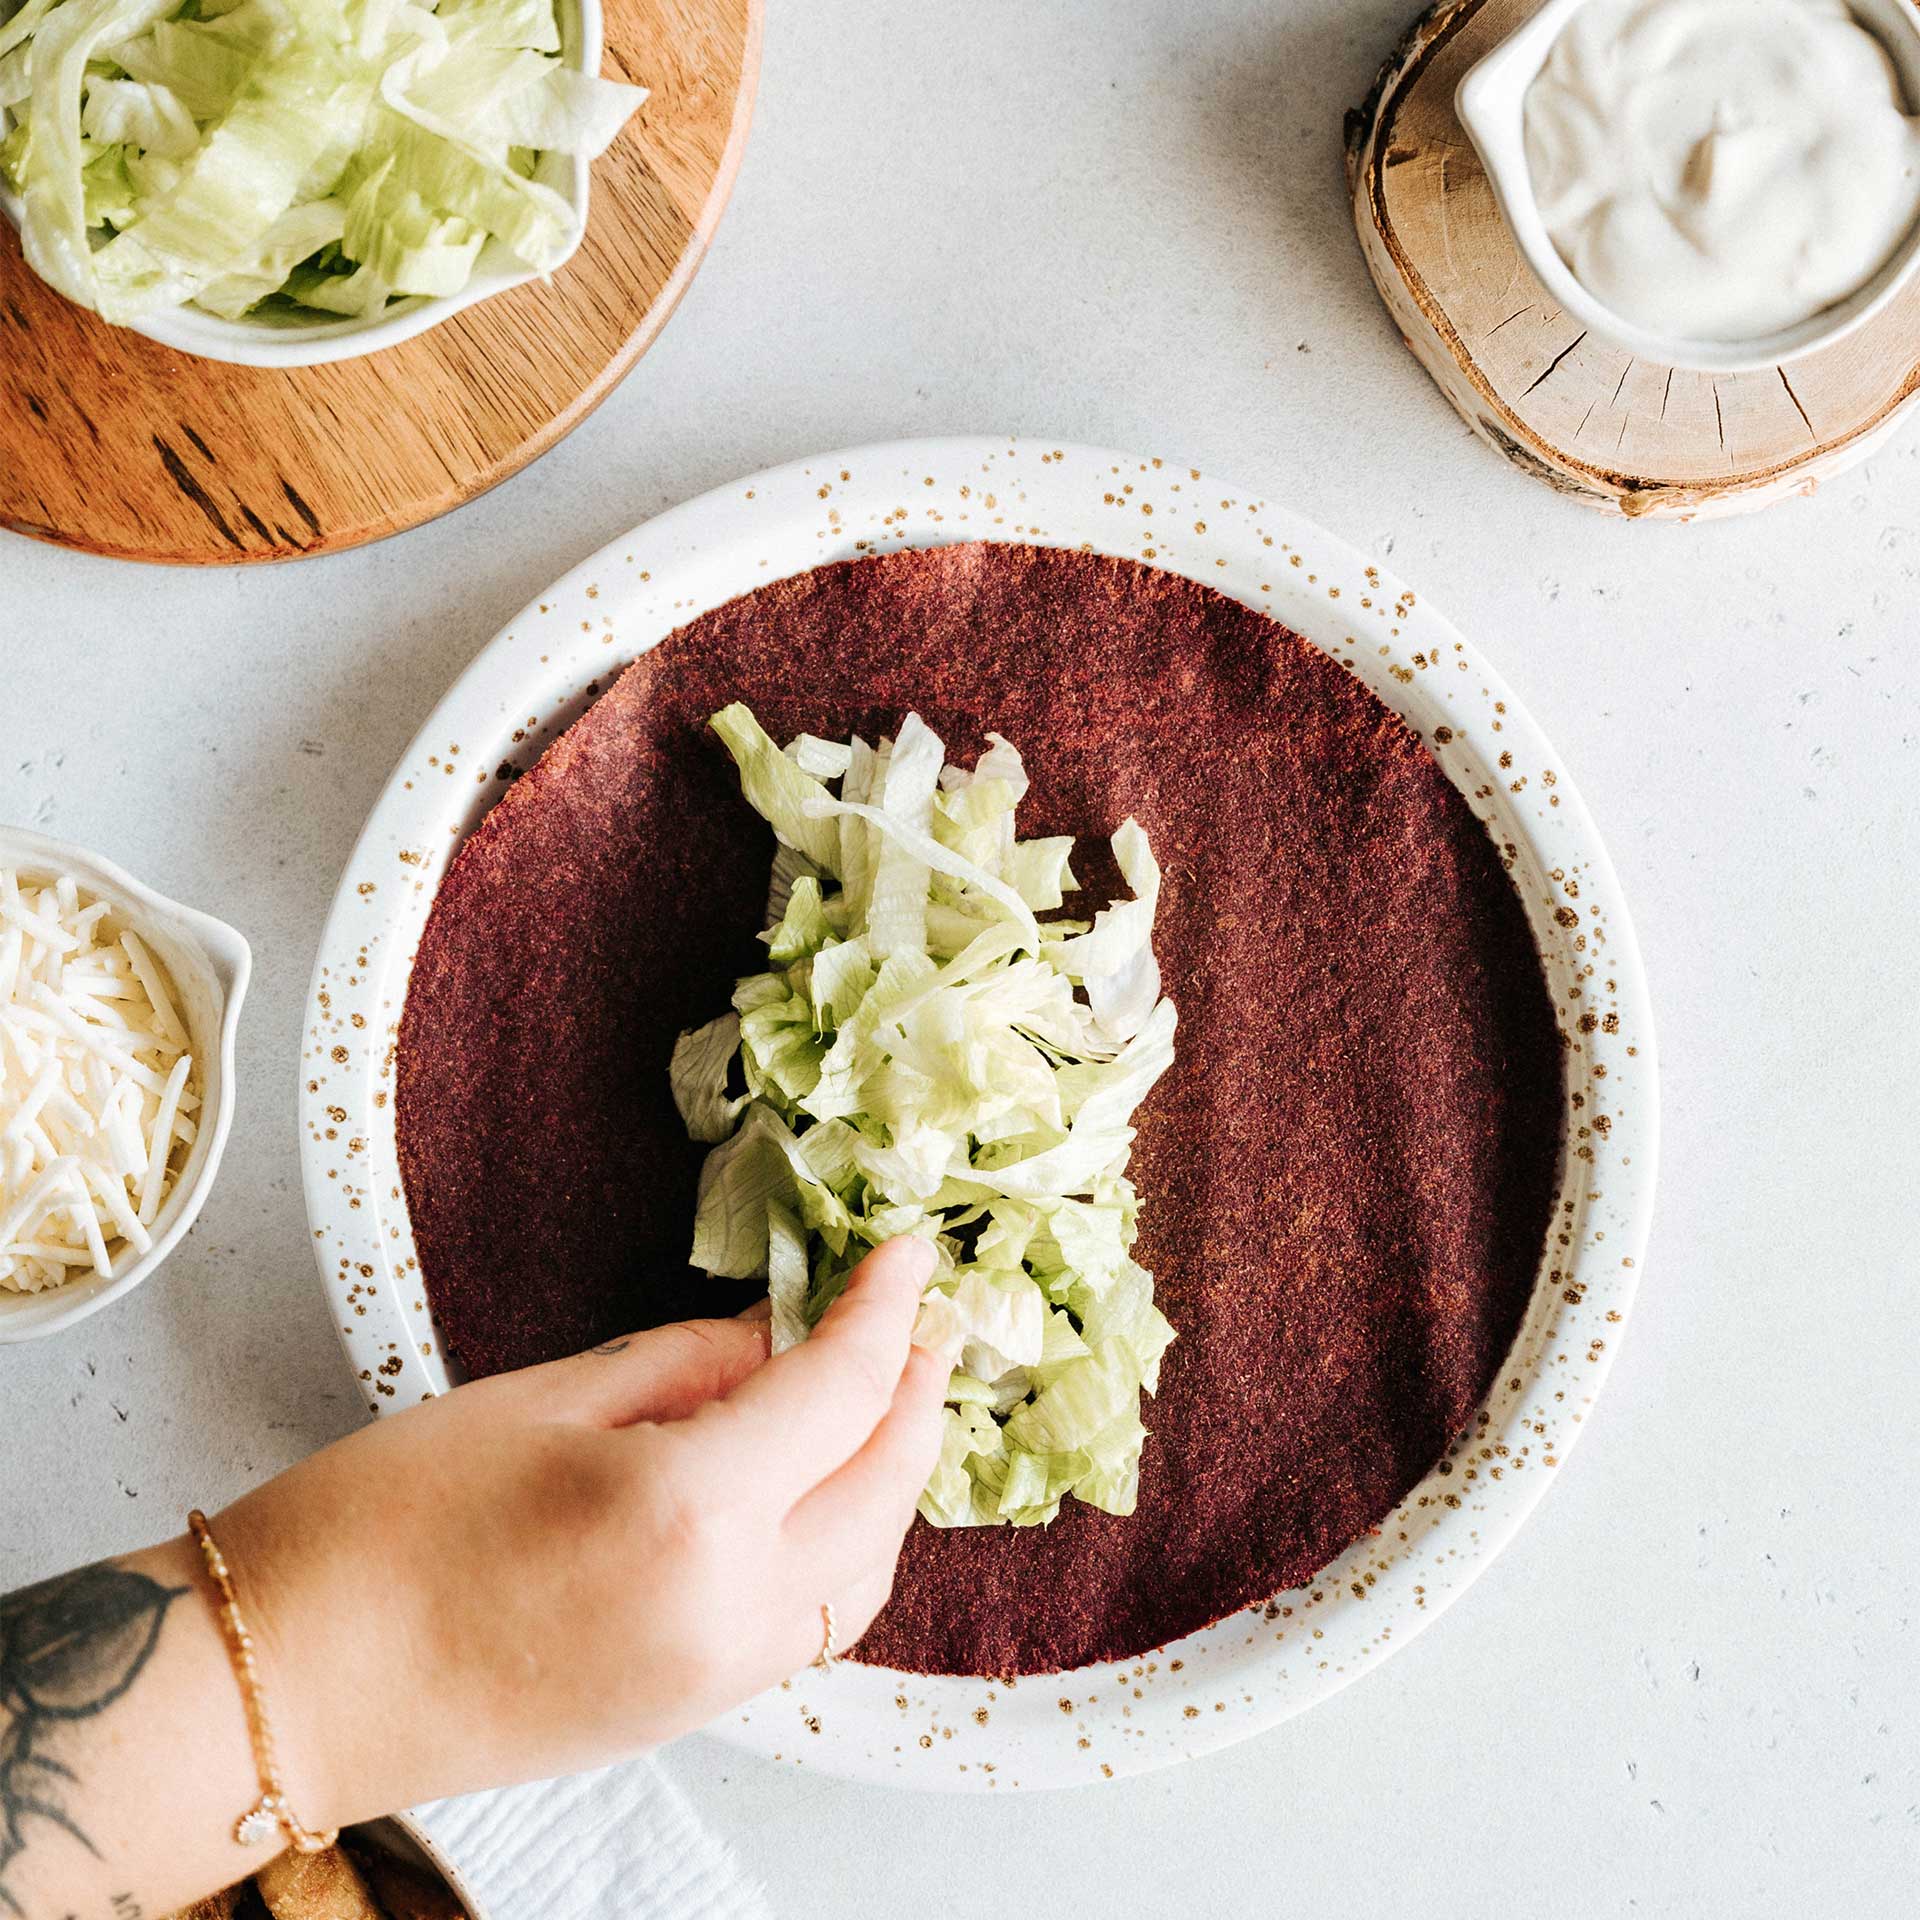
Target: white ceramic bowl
x=407, y=1840
x=1254, y=1668
x=209, y=964
x=1491, y=105
x=266, y=343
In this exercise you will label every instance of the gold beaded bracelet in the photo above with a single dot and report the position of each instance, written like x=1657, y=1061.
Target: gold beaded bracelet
x=270, y=1813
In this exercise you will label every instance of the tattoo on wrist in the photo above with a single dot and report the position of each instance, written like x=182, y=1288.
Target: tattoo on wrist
x=613, y=1346
x=69, y=1649
x=125, y=1907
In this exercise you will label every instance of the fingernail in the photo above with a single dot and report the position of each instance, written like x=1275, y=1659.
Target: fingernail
x=919, y=1258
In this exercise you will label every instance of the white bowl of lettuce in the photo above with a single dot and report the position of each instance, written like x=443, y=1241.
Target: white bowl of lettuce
x=280, y=183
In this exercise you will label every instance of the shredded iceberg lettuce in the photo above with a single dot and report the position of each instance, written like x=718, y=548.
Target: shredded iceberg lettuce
x=275, y=157
x=926, y=1055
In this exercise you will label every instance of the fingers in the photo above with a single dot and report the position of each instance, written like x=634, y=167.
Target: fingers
x=855, y=1614
x=843, y=1540
x=855, y=1519
x=668, y=1373
x=854, y=1611
x=854, y=1607
x=805, y=1414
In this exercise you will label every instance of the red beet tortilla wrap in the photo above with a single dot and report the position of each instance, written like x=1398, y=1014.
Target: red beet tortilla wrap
x=1346, y=1178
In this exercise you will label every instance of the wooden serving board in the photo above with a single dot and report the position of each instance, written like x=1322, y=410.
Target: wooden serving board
x=111, y=443
x=1574, y=410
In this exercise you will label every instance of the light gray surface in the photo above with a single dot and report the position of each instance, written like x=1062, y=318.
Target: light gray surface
x=1693, y=1684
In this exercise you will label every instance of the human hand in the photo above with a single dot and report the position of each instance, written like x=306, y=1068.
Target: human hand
x=544, y=1570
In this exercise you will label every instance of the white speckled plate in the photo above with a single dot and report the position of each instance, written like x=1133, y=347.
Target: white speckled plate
x=1252, y=1669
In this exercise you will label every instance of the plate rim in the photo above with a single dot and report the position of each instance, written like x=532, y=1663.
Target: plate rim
x=700, y=538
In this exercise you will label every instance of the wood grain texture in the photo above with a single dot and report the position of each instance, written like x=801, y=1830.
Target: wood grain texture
x=113, y=444
x=1613, y=431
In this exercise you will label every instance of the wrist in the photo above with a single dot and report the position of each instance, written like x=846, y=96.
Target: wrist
x=289, y=1599
x=175, y=1837
x=223, y=1751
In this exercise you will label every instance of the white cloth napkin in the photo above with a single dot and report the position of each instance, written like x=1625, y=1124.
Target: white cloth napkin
x=622, y=1844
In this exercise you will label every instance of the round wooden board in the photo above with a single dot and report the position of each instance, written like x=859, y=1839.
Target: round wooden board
x=113, y=444
x=1584, y=415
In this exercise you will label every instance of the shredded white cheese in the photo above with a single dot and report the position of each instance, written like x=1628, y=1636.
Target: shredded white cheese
x=97, y=1087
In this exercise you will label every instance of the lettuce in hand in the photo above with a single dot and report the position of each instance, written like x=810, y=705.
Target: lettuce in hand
x=925, y=1054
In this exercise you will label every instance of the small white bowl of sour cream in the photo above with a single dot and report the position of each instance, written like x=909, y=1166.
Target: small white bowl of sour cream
x=1492, y=103
x=207, y=963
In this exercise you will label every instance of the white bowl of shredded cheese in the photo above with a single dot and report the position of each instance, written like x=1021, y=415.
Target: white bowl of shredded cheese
x=117, y=1016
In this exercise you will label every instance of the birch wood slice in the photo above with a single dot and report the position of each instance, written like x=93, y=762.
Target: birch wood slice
x=111, y=443
x=1618, y=433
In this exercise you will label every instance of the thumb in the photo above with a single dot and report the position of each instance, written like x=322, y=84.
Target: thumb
x=667, y=1373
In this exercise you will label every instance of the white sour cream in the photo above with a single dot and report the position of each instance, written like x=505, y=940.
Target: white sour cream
x=1719, y=169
